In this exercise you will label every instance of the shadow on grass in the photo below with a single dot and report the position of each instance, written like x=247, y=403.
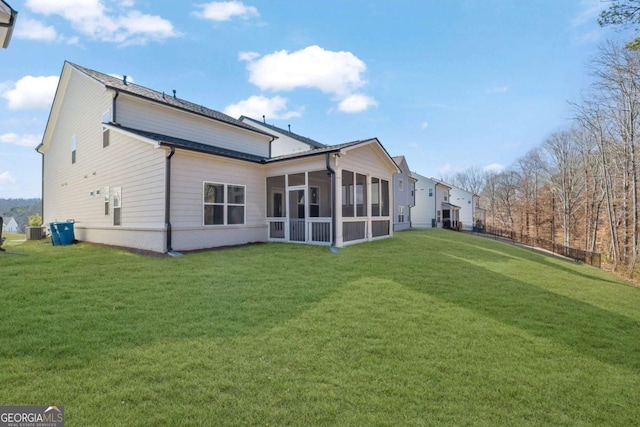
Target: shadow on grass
x=606, y=336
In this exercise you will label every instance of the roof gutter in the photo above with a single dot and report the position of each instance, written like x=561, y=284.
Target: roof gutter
x=113, y=106
x=9, y=26
x=334, y=210
x=167, y=199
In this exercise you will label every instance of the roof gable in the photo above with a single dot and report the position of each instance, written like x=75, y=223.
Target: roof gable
x=310, y=142
x=172, y=101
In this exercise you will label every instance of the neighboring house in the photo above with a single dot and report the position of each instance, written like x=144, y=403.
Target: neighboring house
x=433, y=207
x=403, y=195
x=8, y=18
x=471, y=214
x=10, y=225
x=479, y=214
x=464, y=199
x=287, y=142
x=143, y=169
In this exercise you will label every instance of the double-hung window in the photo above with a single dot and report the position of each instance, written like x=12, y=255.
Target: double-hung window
x=224, y=204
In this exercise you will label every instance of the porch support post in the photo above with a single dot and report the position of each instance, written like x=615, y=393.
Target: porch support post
x=334, y=208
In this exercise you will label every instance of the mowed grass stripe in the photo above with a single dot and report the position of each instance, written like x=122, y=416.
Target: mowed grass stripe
x=406, y=331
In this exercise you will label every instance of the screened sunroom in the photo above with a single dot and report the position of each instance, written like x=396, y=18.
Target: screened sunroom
x=343, y=198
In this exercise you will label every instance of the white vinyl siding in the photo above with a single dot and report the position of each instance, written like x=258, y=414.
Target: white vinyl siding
x=151, y=116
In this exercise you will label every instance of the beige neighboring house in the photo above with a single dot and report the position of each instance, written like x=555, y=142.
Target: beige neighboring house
x=8, y=18
x=139, y=168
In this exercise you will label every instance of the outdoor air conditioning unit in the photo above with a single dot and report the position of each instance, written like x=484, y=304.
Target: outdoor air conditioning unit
x=34, y=233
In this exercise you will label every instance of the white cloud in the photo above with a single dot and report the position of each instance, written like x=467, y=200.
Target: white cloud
x=585, y=23
x=31, y=29
x=31, y=93
x=257, y=106
x=92, y=18
x=248, y=56
x=225, y=10
x=446, y=169
x=424, y=125
x=27, y=140
x=589, y=12
x=6, y=178
x=494, y=167
x=356, y=103
x=498, y=89
x=338, y=73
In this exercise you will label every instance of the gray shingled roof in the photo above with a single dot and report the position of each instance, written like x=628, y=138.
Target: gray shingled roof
x=316, y=151
x=162, y=98
x=304, y=139
x=192, y=146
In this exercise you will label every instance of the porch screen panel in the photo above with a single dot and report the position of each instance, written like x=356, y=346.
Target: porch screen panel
x=347, y=194
x=375, y=197
x=361, y=195
x=353, y=230
x=380, y=228
x=296, y=179
x=384, y=196
x=320, y=194
x=276, y=206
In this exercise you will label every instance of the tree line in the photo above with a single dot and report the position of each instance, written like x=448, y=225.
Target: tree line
x=579, y=187
x=20, y=210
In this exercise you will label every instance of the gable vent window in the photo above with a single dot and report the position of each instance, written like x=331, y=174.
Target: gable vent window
x=73, y=149
x=400, y=185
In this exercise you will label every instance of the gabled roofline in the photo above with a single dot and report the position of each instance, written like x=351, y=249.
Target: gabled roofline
x=180, y=143
x=53, y=104
x=161, y=98
x=335, y=149
x=303, y=139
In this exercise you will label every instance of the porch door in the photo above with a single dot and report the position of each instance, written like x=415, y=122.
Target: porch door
x=297, y=223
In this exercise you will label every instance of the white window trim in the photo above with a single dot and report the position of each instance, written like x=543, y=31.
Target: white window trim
x=225, y=204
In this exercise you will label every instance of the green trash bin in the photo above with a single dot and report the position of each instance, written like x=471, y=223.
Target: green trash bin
x=66, y=233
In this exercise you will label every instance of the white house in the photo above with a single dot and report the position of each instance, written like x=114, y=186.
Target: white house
x=8, y=18
x=139, y=168
x=10, y=225
x=465, y=200
x=434, y=207
x=403, y=195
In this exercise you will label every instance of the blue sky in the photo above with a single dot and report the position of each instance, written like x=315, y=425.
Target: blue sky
x=449, y=84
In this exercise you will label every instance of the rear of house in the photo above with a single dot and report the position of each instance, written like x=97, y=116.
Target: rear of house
x=138, y=168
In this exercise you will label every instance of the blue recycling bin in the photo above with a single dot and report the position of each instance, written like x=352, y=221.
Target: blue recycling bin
x=55, y=237
x=66, y=233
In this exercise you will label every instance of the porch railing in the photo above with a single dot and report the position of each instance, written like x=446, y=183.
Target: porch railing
x=313, y=230
x=297, y=230
x=276, y=229
x=320, y=230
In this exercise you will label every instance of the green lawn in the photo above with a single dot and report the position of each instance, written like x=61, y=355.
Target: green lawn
x=428, y=328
